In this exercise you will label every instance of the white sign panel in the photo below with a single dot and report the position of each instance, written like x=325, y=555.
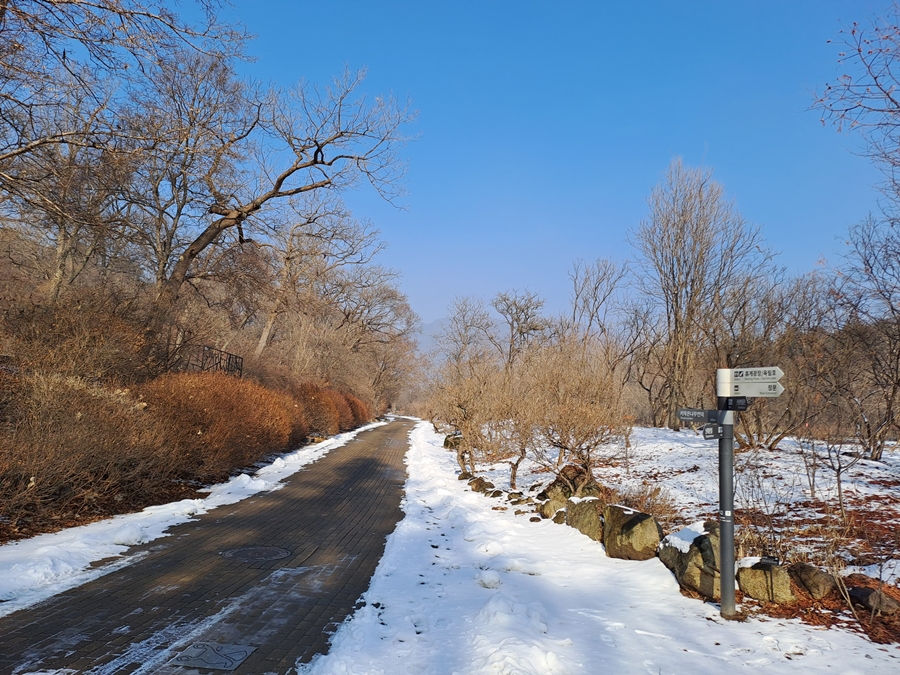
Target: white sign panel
x=763, y=374
x=756, y=389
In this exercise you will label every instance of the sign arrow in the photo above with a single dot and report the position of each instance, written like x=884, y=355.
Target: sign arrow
x=696, y=415
x=761, y=374
x=757, y=389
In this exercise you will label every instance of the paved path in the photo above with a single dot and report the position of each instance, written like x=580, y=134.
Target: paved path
x=172, y=611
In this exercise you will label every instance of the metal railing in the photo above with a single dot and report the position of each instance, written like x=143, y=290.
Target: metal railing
x=210, y=359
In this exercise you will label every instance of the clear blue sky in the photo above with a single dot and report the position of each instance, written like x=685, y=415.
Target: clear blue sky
x=543, y=126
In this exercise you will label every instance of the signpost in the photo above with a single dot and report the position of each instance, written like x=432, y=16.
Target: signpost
x=733, y=387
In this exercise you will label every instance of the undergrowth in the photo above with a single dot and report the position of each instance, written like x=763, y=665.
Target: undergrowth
x=74, y=450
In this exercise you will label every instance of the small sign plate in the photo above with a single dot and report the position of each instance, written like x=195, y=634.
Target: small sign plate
x=737, y=403
x=697, y=415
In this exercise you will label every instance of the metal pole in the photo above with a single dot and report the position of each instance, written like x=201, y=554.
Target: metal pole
x=726, y=496
x=726, y=514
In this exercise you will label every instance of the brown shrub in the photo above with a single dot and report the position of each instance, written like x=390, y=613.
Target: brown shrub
x=83, y=338
x=322, y=415
x=345, y=414
x=362, y=413
x=222, y=422
x=71, y=448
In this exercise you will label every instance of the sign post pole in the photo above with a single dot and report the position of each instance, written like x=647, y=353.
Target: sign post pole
x=724, y=387
x=733, y=387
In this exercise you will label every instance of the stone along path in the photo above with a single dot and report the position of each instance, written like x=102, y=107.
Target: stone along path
x=253, y=587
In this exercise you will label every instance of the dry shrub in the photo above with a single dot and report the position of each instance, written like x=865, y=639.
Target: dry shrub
x=220, y=422
x=362, y=413
x=321, y=413
x=83, y=338
x=73, y=449
x=345, y=414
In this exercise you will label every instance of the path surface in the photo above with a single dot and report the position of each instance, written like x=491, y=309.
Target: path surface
x=184, y=607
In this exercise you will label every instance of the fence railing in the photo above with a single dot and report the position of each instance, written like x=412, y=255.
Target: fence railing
x=209, y=359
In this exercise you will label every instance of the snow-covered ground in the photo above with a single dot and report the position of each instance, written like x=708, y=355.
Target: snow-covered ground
x=465, y=589
x=34, y=569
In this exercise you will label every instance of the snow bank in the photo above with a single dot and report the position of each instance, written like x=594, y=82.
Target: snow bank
x=464, y=589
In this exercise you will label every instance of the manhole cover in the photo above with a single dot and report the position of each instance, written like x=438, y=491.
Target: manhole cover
x=256, y=553
x=213, y=655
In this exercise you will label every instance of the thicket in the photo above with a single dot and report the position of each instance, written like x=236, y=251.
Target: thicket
x=73, y=450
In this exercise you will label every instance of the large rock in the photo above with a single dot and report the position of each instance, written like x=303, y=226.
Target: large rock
x=630, y=534
x=693, y=556
x=583, y=513
x=769, y=583
x=816, y=582
x=559, y=489
x=452, y=441
x=549, y=508
x=479, y=484
x=874, y=600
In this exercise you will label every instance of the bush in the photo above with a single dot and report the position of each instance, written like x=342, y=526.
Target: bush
x=65, y=339
x=321, y=413
x=74, y=449
x=362, y=413
x=220, y=422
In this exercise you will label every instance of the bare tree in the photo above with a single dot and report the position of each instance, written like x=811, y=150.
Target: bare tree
x=864, y=98
x=334, y=139
x=693, y=247
x=89, y=44
x=576, y=409
x=523, y=323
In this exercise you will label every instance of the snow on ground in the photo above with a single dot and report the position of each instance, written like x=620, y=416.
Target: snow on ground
x=465, y=589
x=37, y=568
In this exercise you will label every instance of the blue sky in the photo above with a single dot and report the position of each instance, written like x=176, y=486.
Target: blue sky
x=543, y=126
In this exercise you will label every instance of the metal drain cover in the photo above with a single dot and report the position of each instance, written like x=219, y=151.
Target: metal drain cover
x=256, y=553
x=213, y=655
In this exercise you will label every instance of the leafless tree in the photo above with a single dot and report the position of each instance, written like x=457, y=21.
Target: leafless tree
x=577, y=409
x=90, y=46
x=864, y=98
x=694, y=246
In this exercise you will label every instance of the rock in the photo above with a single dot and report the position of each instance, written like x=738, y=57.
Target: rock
x=465, y=475
x=550, y=507
x=816, y=582
x=480, y=484
x=630, y=534
x=695, y=565
x=452, y=441
x=584, y=515
x=514, y=495
x=559, y=489
x=496, y=493
x=769, y=583
x=874, y=600
x=534, y=519
x=560, y=517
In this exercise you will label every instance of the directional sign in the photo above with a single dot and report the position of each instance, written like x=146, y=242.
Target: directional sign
x=712, y=432
x=697, y=415
x=738, y=403
x=763, y=374
x=757, y=389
